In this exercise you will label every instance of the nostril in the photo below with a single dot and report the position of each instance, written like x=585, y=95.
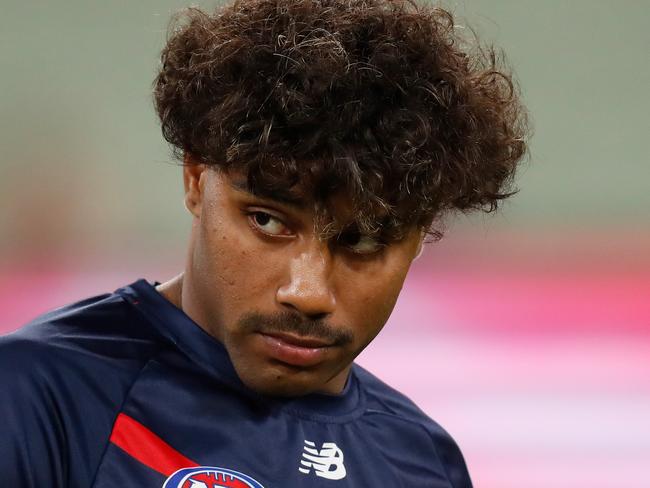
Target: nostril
x=316, y=316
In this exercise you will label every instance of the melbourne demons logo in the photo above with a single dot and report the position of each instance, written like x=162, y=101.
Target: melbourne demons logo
x=210, y=477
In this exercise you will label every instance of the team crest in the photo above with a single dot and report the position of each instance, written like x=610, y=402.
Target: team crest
x=210, y=477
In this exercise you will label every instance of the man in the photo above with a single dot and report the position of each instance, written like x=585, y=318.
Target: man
x=321, y=142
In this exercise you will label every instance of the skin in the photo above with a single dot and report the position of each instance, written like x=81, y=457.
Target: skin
x=251, y=254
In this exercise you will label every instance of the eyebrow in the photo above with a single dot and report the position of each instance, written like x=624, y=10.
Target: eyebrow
x=286, y=197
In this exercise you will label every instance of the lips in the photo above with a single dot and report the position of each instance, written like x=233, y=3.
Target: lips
x=294, y=350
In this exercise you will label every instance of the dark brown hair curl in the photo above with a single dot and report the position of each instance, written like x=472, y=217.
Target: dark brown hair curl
x=382, y=100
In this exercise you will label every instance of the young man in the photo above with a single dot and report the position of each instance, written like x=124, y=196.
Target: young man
x=321, y=141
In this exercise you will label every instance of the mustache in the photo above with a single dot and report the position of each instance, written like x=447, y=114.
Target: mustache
x=294, y=323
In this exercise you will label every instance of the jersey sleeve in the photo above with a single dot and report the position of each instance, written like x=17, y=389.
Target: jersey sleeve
x=32, y=442
x=451, y=458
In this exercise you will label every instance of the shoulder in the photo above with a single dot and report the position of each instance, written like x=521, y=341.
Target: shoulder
x=95, y=345
x=103, y=328
x=64, y=377
x=384, y=399
x=404, y=422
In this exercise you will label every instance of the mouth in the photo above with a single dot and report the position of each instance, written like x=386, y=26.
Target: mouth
x=295, y=350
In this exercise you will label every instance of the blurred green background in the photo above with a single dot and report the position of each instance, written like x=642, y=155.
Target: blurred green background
x=83, y=165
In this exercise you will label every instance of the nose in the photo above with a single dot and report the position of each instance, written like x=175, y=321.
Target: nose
x=308, y=289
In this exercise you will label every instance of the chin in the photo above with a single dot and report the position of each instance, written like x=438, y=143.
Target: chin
x=281, y=384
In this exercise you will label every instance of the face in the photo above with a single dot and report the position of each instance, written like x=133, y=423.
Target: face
x=292, y=310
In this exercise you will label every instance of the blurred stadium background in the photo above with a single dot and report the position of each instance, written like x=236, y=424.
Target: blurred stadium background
x=525, y=334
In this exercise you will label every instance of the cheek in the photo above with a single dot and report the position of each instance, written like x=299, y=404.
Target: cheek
x=381, y=303
x=235, y=267
x=214, y=262
x=374, y=296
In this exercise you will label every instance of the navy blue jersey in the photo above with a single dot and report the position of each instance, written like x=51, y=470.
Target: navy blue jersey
x=125, y=390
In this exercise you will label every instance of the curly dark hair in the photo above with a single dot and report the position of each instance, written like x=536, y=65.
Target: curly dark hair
x=383, y=100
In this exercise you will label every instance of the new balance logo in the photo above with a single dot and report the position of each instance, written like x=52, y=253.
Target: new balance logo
x=326, y=462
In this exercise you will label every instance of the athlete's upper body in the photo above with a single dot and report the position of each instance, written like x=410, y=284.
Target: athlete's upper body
x=126, y=390
x=321, y=141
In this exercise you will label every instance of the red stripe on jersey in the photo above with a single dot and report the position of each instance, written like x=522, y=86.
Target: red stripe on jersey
x=145, y=446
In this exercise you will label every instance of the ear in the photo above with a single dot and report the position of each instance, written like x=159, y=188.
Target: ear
x=193, y=184
x=420, y=248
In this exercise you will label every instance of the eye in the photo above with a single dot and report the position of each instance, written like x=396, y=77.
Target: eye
x=359, y=243
x=268, y=224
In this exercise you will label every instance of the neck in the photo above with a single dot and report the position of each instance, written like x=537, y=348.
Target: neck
x=172, y=290
x=178, y=291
